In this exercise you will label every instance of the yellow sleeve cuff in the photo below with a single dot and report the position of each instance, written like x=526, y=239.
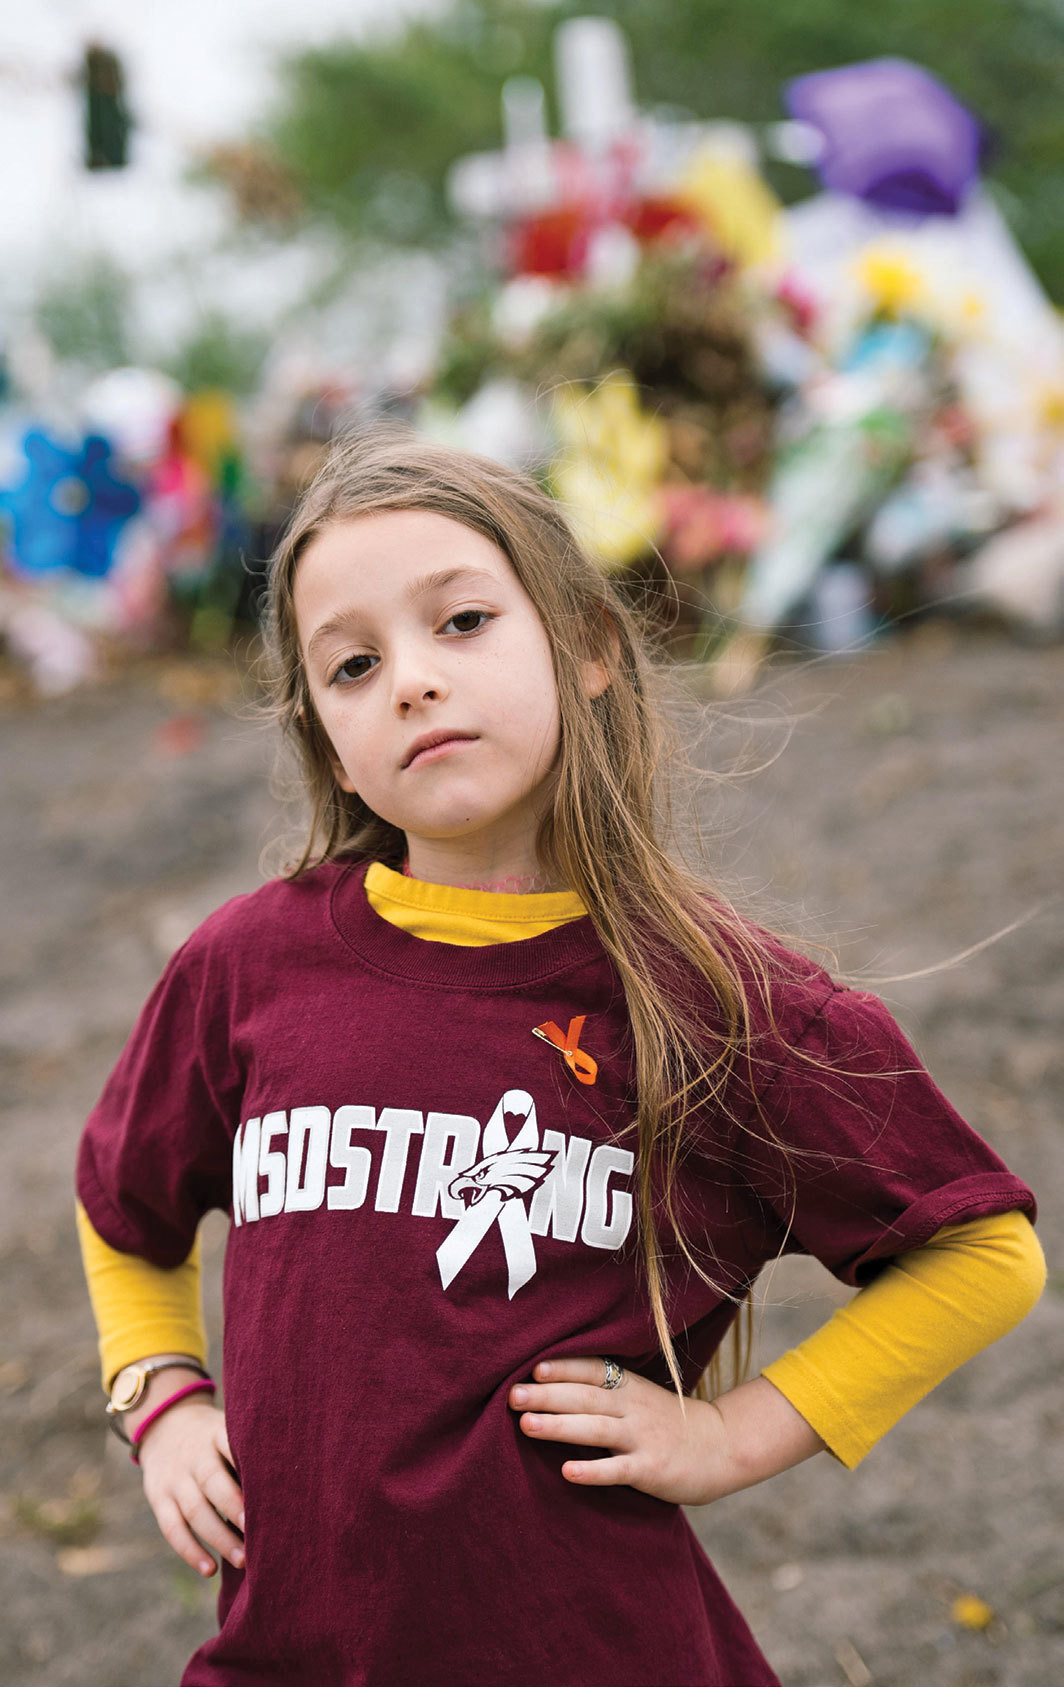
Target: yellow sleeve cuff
x=926, y=1314
x=140, y=1309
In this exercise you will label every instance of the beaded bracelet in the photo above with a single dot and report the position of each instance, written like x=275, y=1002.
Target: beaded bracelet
x=202, y=1387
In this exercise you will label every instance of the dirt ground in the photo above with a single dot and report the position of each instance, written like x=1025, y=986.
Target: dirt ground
x=917, y=809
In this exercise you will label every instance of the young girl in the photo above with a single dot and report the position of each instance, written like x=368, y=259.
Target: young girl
x=509, y=1112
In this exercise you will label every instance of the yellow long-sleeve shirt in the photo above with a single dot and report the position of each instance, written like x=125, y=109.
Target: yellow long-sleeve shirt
x=926, y=1313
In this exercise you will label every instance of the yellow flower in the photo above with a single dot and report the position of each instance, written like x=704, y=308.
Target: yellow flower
x=611, y=467
x=735, y=203
x=891, y=280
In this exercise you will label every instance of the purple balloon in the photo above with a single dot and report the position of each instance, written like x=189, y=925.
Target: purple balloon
x=893, y=135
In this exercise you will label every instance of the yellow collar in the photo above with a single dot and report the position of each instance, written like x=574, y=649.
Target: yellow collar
x=471, y=918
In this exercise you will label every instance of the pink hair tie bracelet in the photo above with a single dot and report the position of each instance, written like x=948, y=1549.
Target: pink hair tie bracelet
x=201, y=1387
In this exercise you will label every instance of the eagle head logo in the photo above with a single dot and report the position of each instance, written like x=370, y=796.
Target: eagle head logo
x=514, y=1172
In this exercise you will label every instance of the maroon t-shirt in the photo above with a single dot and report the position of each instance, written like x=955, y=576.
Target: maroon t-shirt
x=425, y=1202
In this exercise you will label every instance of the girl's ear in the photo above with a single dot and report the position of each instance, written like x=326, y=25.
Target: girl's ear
x=595, y=671
x=596, y=678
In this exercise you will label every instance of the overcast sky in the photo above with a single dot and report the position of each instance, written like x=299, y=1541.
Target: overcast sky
x=197, y=70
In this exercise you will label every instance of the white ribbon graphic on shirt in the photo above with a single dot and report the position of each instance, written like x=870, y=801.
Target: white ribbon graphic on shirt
x=495, y=1186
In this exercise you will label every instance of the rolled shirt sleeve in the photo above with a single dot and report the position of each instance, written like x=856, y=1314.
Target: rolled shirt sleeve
x=851, y=1150
x=156, y=1151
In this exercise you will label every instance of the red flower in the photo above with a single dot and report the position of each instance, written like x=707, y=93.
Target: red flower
x=659, y=218
x=553, y=243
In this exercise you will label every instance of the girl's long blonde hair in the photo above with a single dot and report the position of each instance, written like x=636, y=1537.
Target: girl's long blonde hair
x=602, y=834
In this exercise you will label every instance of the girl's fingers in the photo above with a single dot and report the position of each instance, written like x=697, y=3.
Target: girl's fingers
x=196, y=1500
x=176, y=1533
x=201, y=1516
x=599, y=1473
x=579, y=1429
x=565, y=1397
x=590, y=1370
x=226, y=1498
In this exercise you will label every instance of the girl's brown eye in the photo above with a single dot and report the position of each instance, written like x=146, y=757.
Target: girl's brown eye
x=351, y=669
x=467, y=620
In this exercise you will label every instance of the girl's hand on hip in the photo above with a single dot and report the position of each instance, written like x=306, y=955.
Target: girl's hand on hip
x=195, y=1498
x=687, y=1457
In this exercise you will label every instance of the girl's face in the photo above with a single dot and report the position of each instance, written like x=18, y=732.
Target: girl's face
x=432, y=675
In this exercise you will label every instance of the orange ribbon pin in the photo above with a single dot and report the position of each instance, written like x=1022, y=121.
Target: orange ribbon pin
x=577, y=1059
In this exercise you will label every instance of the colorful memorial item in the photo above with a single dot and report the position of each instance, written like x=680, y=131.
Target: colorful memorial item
x=893, y=135
x=70, y=507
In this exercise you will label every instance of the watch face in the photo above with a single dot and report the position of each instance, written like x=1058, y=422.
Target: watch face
x=128, y=1387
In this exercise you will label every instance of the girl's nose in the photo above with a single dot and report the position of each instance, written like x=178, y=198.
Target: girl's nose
x=405, y=703
x=416, y=682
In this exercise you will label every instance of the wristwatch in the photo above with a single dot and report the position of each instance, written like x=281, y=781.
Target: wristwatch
x=127, y=1389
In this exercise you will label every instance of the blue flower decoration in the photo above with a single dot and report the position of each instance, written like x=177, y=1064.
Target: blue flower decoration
x=69, y=508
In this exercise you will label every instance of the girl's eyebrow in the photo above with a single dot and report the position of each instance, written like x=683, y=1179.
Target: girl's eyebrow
x=445, y=577
x=436, y=581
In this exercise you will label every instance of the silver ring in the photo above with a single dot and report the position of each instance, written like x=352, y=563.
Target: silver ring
x=614, y=1374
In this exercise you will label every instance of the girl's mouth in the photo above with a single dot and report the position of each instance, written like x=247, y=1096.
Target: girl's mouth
x=434, y=745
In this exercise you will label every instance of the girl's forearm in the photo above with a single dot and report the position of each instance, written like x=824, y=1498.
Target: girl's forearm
x=761, y=1434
